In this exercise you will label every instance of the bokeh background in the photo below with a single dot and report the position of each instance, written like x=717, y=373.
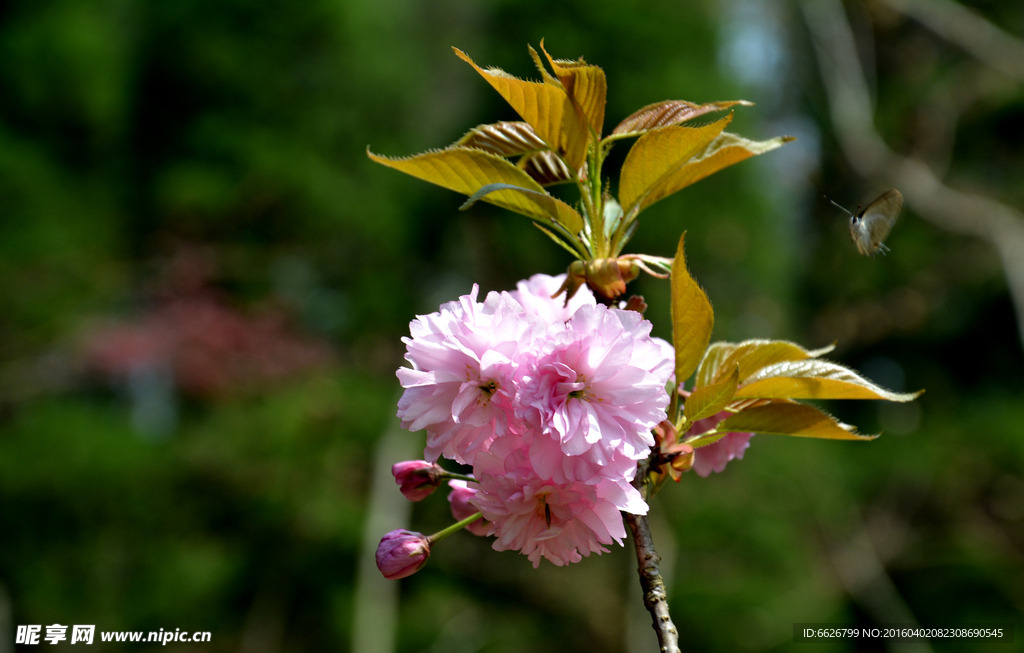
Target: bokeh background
x=204, y=282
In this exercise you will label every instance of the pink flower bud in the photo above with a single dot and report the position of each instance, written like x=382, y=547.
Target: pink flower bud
x=401, y=553
x=417, y=479
x=461, y=507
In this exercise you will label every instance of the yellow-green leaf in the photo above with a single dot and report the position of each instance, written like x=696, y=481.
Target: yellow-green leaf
x=586, y=85
x=668, y=112
x=727, y=149
x=555, y=209
x=652, y=163
x=692, y=317
x=467, y=170
x=752, y=355
x=711, y=363
x=814, y=379
x=548, y=109
x=787, y=418
x=708, y=400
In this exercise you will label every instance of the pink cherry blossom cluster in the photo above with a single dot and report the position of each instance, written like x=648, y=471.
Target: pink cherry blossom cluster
x=552, y=405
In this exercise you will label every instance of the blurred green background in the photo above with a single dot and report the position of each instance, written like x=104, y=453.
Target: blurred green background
x=204, y=282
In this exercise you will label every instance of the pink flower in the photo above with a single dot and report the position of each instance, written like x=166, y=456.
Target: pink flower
x=715, y=456
x=559, y=519
x=401, y=553
x=534, y=295
x=417, y=479
x=551, y=404
x=599, y=387
x=466, y=362
x=460, y=498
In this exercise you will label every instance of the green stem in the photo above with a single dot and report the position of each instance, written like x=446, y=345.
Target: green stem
x=454, y=528
x=593, y=199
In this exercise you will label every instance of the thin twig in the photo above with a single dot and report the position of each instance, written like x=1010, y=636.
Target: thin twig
x=651, y=583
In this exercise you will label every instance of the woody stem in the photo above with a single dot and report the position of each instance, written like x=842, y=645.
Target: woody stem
x=651, y=583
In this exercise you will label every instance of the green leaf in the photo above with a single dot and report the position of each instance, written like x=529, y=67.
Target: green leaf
x=814, y=379
x=556, y=209
x=666, y=113
x=692, y=317
x=726, y=150
x=547, y=107
x=711, y=399
x=467, y=170
x=704, y=439
x=750, y=356
x=648, y=173
x=586, y=86
x=711, y=363
x=788, y=418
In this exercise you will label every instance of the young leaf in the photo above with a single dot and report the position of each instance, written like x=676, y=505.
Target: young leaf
x=721, y=153
x=668, y=112
x=504, y=138
x=752, y=355
x=547, y=108
x=517, y=139
x=586, y=85
x=466, y=170
x=814, y=379
x=546, y=168
x=651, y=164
x=711, y=363
x=552, y=207
x=708, y=400
x=787, y=418
x=692, y=317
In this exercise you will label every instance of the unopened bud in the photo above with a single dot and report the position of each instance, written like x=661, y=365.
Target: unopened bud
x=417, y=479
x=673, y=457
x=608, y=277
x=401, y=553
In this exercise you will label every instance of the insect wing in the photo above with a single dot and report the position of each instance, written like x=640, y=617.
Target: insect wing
x=874, y=223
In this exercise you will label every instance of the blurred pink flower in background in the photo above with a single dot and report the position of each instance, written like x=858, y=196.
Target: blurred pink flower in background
x=208, y=347
x=715, y=456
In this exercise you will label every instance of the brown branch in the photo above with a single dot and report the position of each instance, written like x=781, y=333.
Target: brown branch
x=651, y=583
